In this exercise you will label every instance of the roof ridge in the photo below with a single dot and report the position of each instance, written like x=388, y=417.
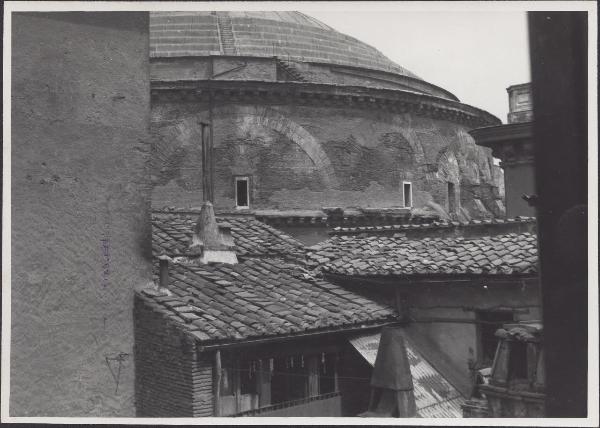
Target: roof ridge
x=432, y=225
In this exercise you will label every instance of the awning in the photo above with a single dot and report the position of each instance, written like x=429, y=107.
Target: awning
x=435, y=397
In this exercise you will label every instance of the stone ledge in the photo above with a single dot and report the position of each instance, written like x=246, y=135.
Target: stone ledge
x=399, y=101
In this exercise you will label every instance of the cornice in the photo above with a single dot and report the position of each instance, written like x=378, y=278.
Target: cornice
x=512, y=143
x=302, y=93
x=486, y=136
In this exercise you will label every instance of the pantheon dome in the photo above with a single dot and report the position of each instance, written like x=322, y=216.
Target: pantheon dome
x=305, y=118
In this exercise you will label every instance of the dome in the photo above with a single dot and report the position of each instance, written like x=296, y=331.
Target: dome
x=291, y=35
x=304, y=117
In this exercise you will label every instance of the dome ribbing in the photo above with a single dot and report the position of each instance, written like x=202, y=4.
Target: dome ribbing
x=291, y=35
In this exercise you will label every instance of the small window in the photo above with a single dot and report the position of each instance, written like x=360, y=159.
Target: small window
x=242, y=192
x=451, y=198
x=407, y=192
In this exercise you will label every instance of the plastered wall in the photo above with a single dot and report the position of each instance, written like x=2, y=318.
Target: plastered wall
x=80, y=209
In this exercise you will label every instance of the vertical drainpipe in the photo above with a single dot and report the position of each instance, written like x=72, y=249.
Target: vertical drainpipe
x=206, y=196
x=211, y=158
x=217, y=384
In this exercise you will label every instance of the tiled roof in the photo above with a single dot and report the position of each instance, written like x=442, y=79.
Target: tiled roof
x=510, y=254
x=259, y=297
x=172, y=231
x=433, y=225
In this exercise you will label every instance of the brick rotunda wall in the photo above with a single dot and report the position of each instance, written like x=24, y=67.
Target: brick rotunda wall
x=80, y=218
x=314, y=156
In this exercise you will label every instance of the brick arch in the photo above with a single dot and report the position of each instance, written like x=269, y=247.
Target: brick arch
x=272, y=119
x=448, y=166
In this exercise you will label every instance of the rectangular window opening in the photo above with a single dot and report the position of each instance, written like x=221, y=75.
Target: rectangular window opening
x=242, y=192
x=451, y=198
x=407, y=192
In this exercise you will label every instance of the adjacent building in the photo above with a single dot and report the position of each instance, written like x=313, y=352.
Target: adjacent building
x=260, y=336
x=513, y=145
x=454, y=284
x=516, y=388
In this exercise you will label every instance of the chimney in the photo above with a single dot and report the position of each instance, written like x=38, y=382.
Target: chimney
x=210, y=243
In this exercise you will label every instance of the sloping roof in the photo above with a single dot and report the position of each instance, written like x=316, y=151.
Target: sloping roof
x=172, y=231
x=435, y=397
x=259, y=297
x=510, y=254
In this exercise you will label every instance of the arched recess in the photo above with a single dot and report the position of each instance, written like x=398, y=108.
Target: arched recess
x=447, y=166
x=272, y=119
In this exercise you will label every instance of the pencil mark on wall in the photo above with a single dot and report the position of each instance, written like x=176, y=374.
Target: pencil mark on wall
x=118, y=360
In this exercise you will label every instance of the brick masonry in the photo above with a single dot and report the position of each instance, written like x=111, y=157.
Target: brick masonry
x=308, y=157
x=172, y=379
x=80, y=213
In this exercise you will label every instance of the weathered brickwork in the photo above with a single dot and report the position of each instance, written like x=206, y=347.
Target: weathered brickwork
x=269, y=69
x=80, y=210
x=309, y=157
x=314, y=117
x=172, y=379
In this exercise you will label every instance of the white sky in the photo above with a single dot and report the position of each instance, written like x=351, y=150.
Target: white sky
x=474, y=55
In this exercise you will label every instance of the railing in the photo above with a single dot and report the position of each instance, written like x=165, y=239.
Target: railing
x=321, y=405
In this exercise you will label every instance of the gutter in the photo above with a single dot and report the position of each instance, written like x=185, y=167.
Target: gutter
x=433, y=278
x=288, y=337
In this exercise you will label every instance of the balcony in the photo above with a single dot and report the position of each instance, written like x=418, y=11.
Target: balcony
x=321, y=405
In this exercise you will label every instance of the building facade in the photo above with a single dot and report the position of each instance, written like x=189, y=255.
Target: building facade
x=305, y=118
x=455, y=285
x=255, y=336
x=516, y=386
x=261, y=335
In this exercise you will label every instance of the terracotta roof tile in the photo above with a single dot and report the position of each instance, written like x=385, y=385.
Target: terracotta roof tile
x=361, y=255
x=396, y=230
x=215, y=305
x=172, y=232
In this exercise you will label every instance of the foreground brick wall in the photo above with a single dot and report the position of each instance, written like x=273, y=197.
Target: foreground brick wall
x=171, y=379
x=80, y=219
